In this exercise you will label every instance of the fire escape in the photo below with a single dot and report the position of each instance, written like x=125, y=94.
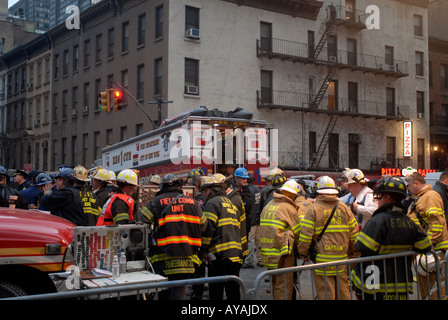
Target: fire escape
x=314, y=104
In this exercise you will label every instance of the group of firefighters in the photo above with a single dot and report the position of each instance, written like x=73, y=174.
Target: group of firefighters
x=230, y=223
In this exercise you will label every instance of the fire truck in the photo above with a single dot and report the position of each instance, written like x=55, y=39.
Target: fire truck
x=199, y=138
x=33, y=244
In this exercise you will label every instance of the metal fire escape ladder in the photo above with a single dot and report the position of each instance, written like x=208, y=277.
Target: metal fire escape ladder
x=324, y=142
x=319, y=96
x=329, y=28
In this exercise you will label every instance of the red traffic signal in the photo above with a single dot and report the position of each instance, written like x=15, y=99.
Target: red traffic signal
x=117, y=95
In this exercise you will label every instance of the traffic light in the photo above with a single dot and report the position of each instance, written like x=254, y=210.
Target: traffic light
x=104, y=101
x=117, y=95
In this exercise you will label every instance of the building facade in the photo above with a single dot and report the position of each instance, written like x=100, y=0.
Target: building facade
x=338, y=92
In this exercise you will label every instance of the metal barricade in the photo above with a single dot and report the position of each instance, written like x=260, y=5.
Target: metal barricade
x=433, y=282
x=116, y=291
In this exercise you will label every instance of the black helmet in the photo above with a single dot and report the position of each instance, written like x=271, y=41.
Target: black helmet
x=170, y=180
x=394, y=186
x=278, y=180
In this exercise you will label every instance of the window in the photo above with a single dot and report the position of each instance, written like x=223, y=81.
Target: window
x=86, y=94
x=74, y=150
x=141, y=29
x=443, y=78
x=332, y=48
x=98, y=47
x=418, y=26
x=124, y=83
x=63, y=150
x=86, y=53
x=159, y=22
x=353, y=150
x=97, y=91
x=389, y=56
x=431, y=74
x=352, y=52
x=109, y=137
x=312, y=145
x=75, y=58
x=158, y=76
x=55, y=107
x=74, y=98
x=123, y=133
x=390, y=101
x=311, y=44
x=125, y=36
x=110, y=43
x=138, y=129
x=421, y=103
x=421, y=153
x=266, y=86
x=47, y=70
x=266, y=36
x=191, y=17
x=65, y=63
x=46, y=108
x=97, y=146
x=64, y=104
x=55, y=154
x=55, y=67
x=85, y=148
x=419, y=63
x=353, y=97
x=140, y=81
x=333, y=152
x=390, y=150
x=191, y=76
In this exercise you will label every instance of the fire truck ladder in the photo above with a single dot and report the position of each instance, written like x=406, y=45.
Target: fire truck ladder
x=324, y=142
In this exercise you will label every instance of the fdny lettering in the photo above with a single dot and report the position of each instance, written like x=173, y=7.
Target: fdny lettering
x=401, y=223
x=337, y=219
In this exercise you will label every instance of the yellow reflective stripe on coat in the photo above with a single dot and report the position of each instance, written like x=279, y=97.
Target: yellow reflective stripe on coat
x=120, y=217
x=386, y=249
x=147, y=214
x=368, y=241
x=423, y=244
x=308, y=223
x=225, y=246
x=273, y=223
x=211, y=216
x=391, y=288
x=228, y=221
x=441, y=245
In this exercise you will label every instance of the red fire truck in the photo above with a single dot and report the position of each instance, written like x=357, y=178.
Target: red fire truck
x=33, y=244
x=209, y=139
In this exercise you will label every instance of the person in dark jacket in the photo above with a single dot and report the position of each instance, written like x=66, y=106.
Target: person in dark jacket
x=389, y=230
x=226, y=245
x=65, y=201
x=21, y=180
x=7, y=191
x=32, y=193
x=178, y=223
x=441, y=187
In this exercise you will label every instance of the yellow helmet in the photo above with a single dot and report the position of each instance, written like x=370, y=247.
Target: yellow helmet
x=155, y=179
x=128, y=176
x=81, y=173
x=215, y=179
x=101, y=174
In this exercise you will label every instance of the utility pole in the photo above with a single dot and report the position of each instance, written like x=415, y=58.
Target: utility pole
x=159, y=102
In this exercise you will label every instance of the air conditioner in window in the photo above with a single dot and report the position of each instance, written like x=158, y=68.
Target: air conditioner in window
x=85, y=109
x=29, y=85
x=74, y=112
x=420, y=115
x=36, y=123
x=391, y=68
x=354, y=138
x=191, y=89
x=45, y=144
x=333, y=58
x=192, y=33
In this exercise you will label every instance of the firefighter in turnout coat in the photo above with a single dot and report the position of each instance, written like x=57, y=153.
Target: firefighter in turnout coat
x=178, y=223
x=279, y=228
x=427, y=212
x=226, y=241
x=337, y=243
x=388, y=231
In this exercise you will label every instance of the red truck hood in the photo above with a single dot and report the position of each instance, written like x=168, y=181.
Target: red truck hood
x=32, y=228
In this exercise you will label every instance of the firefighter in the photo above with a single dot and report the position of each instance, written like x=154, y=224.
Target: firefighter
x=155, y=180
x=360, y=196
x=427, y=211
x=279, y=228
x=100, y=178
x=337, y=242
x=64, y=201
x=7, y=191
x=178, y=223
x=112, y=183
x=389, y=231
x=119, y=208
x=90, y=203
x=226, y=243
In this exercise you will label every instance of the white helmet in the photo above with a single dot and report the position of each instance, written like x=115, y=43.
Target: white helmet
x=275, y=171
x=355, y=176
x=291, y=186
x=128, y=176
x=326, y=185
x=112, y=176
x=101, y=174
x=426, y=264
x=156, y=179
x=81, y=173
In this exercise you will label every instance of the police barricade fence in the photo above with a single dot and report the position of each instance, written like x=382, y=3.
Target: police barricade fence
x=131, y=289
x=432, y=282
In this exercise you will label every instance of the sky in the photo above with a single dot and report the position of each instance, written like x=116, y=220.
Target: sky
x=11, y=2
